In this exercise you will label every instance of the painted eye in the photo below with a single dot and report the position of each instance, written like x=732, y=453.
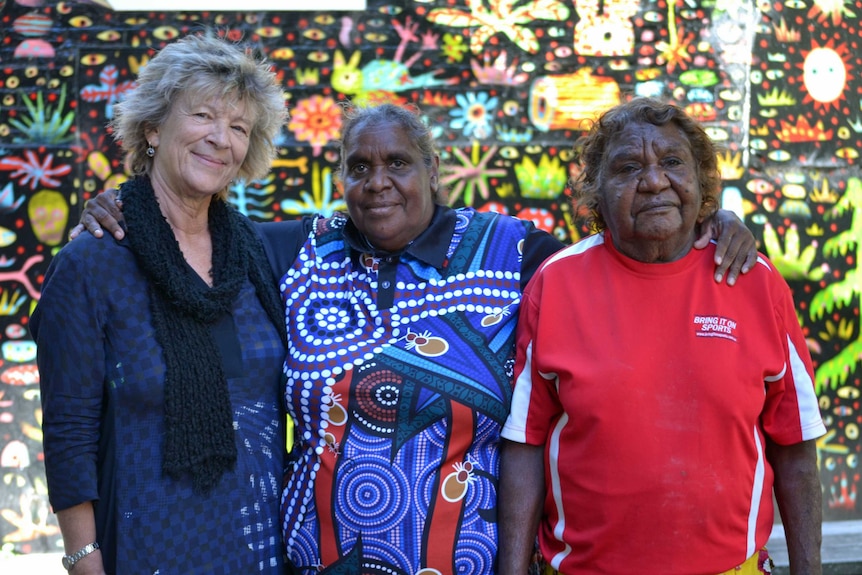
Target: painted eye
x=375, y=37
x=166, y=33
x=847, y=153
x=390, y=10
x=563, y=52
x=796, y=4
x=93, y=59
x=318, y=56
x=314, y=34
x=268, y=32
x=80, y=22
x=509, y=153
x=136, y=21
x=778, y=155
x=31, y=72
x=717, y=134
x=325, y=19
x=108, y=35
x=282, y=54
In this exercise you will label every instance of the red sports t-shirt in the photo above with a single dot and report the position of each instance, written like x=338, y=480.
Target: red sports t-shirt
x=652, y=388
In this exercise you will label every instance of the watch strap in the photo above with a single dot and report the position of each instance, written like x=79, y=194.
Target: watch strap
x=70, y=560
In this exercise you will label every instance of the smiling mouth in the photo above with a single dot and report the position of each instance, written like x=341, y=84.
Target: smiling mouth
x=210, y=160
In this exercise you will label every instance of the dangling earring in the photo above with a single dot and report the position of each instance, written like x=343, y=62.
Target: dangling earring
x=150, y=151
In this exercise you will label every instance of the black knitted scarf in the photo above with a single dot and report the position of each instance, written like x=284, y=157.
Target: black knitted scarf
x=199, y=436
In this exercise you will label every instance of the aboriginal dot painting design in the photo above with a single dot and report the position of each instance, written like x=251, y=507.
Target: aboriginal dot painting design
x=506, y=86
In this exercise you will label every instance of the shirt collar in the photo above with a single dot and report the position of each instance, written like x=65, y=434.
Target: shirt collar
x=430, y=246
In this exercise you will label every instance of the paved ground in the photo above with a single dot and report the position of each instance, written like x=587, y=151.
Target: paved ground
x=842, y=546
x=33, y=564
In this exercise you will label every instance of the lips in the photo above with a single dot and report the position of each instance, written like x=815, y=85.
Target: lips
x=660, y=206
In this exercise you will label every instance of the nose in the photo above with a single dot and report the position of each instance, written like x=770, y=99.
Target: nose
x=652, y=180
x=377, y=179
x=218, y=135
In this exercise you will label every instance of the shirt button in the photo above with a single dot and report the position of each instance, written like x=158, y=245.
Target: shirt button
x=385, y=285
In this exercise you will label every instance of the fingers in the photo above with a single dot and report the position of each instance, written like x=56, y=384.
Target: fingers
x=734, y=254
x=102, y=213
x=75, y=232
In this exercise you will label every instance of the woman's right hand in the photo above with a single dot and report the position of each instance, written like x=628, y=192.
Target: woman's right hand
x=102, y=212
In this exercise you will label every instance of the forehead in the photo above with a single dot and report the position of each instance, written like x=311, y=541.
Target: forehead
x=231, y=105
x=635, y=137
x=379, y=137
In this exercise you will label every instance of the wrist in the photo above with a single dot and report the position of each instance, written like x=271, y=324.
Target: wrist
x=69, y=561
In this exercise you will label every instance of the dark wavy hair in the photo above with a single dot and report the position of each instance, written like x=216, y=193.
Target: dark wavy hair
x=591, y=151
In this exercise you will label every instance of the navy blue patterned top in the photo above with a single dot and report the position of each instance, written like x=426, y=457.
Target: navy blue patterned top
x=102, y=379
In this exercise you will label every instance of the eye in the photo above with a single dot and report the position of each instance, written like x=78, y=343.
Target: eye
x=93, y=59
x=398, y=164
x=241, y=129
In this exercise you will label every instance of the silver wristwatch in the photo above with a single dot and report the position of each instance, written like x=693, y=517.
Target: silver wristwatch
x=70, y=560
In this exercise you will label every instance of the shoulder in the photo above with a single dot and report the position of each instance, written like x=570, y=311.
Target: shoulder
x=90, y=254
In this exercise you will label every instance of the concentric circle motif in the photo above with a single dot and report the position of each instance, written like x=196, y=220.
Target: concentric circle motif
x=329, y=318
x=377, y=394
x=371, y=499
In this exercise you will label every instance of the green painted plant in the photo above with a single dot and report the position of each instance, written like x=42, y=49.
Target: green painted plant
x=544, y=181
x=46, y=125
x=845, y=292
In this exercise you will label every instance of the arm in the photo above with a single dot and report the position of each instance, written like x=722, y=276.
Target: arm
x=282, y=242
x=103, y=211
x=736, y=250
x=799, y=497
x=519, y=503
x=78, y=526
x=71, y=360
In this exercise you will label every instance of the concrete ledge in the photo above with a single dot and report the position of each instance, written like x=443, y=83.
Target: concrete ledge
x=841, y=550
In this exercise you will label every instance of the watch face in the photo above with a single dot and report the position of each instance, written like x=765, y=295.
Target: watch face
x=67, y=564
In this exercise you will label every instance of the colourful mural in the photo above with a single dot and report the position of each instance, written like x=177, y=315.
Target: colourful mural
x=507, y=85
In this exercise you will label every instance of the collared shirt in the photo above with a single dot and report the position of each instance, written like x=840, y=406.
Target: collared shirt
x=399, y=379
x=283, y=241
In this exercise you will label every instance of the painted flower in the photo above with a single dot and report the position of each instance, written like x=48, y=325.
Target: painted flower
x=454, y=47
x=316, y=120
x=474, y=114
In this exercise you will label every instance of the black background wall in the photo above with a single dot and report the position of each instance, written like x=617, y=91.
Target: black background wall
x=507, y=85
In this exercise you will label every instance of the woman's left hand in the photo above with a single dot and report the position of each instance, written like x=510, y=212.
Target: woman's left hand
x=736, y=249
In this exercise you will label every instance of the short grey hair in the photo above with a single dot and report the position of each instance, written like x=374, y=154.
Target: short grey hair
x=206, y=66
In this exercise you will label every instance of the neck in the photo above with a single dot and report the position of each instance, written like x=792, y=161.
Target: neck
x=189, y=220
x=187, y=215
x=655, y=251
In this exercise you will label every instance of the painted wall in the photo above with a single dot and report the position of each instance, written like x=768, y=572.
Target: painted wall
x=506, y=84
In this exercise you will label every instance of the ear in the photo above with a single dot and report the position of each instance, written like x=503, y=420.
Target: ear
x=434, y=178
x=338, y=61
x=152, y=135
x=354, y=59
